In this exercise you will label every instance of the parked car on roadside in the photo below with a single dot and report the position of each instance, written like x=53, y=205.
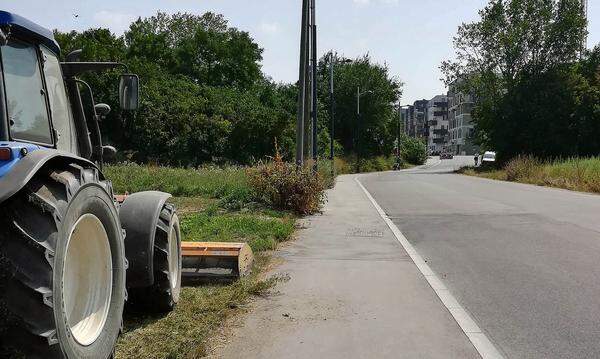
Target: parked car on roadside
x=488, y=159
x=446, y=156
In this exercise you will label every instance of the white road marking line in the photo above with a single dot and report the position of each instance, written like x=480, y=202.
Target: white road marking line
x=480, y=341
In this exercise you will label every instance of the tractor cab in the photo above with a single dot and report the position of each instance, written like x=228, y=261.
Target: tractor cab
x=42, y=100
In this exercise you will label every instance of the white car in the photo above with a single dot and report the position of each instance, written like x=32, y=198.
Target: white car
x=488, y=159
x=489, y=156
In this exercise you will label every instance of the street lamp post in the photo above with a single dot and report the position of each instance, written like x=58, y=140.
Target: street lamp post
x=357, y=131
x=398, y=160
x=332, y=116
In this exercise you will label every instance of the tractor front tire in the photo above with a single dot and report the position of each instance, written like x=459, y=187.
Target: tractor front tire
x=163, y=295
x=63, y=262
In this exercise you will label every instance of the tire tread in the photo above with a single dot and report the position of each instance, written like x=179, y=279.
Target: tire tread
x=27, y=247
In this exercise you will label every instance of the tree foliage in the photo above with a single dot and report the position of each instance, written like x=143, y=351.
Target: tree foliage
x=374, y=133
x=534, y=86
x=204, y=48
x=413, y=150
x=204, y=97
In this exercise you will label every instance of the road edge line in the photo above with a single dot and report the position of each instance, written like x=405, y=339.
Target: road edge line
x=476, y=336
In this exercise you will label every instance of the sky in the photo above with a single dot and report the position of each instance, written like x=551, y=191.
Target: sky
x=411, y=36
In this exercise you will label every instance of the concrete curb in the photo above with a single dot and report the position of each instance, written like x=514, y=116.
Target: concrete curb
x=478, y=338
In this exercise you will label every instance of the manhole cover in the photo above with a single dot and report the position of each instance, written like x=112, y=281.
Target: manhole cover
x=365, y=232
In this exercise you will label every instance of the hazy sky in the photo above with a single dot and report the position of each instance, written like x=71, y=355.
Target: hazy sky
x=412, y=37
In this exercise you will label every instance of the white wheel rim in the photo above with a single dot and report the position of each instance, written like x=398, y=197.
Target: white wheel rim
x=174, y=258
x=87, y=279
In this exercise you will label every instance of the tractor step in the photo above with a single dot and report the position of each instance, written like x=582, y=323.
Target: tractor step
x=210, y=261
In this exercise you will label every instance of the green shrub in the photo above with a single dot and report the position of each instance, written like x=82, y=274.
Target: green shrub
x=325, y=172
x=376, y=164
x=413, y=150
x=343, y=165
x=283, y=186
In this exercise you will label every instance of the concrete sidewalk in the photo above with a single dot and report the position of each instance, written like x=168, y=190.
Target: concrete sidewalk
x=353, y=293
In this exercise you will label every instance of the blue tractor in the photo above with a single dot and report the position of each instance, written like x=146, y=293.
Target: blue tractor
x=71, y=252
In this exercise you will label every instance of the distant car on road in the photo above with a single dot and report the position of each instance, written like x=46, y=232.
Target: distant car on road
x=446, y=156
x=488, y=159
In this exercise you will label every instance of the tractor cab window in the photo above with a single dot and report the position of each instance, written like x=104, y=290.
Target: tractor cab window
x=26, y=103
x=62, y=117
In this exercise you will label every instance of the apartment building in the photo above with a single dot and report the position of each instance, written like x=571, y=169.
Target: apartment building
x=413, y=119
x=436, y=114
x=420, y=107
x=405, y=118
x=461, y=130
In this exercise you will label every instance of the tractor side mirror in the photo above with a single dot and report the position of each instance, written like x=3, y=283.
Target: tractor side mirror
x=74, y=56
x=129, y=92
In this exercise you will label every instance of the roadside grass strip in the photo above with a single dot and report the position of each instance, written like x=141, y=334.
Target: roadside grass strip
x=185, y=332
x=214, y=204
x=575, y=174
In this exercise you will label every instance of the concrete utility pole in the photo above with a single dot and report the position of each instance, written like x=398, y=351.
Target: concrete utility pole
x=398, y=134
x=307, y=98
x=315, y=143
x=331, y=114
x=356, y=132
x=302, y=86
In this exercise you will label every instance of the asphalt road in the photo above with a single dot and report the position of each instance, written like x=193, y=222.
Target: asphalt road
x=353, y=292
x=523, y=260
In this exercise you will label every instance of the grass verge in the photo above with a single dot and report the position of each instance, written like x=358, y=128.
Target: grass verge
x=260, y=230
x=201, y=311
x=576, y=174
x=207, y=182
x=213, y=205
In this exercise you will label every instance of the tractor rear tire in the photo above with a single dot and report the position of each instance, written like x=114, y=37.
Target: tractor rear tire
x=163, y=295
x=63, y=265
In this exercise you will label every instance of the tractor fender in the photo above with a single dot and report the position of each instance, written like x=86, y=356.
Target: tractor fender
x=22, y=172
x=139, y=217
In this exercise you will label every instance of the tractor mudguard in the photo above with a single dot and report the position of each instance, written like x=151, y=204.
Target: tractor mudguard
x=139, y=216
x=22, y=172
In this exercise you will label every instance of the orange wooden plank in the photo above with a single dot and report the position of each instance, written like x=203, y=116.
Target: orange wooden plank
x=205, y=253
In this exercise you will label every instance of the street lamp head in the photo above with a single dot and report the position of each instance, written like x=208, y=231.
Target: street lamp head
x=364, y=93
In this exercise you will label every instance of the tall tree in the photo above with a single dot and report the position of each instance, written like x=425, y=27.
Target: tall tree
x=202, y=47
x=375, y=132
x=518, y=62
